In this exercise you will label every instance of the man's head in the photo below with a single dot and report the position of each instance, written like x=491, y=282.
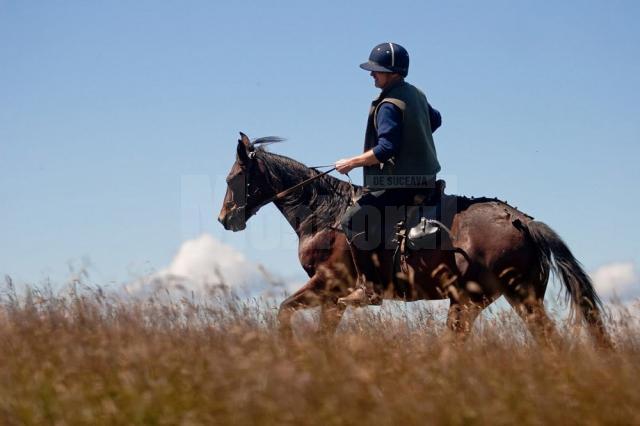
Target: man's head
x=388, y=58
x=385, y=79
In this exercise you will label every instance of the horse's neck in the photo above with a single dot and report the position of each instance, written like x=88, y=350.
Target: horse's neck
x=294, y=214
x=307, y=211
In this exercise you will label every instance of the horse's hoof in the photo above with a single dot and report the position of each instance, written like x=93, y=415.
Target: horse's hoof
x=358, y=298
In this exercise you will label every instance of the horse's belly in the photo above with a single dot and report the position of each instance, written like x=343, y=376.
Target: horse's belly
x=425, y=272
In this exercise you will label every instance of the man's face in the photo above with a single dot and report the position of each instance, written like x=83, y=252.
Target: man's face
x=382, y=79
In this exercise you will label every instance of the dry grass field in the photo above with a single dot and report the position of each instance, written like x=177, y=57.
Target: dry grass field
x=89, y=358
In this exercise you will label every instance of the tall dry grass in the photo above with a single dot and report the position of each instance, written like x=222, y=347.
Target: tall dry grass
x=89, y=358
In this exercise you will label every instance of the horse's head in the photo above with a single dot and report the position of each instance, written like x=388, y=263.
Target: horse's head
x=248, y=187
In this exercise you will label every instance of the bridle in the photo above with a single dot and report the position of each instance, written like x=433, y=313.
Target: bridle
x=280, y=195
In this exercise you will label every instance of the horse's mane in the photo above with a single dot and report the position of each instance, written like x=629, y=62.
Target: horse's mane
x=327, y=197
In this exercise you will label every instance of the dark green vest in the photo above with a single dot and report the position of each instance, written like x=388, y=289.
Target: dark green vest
x=416, y=163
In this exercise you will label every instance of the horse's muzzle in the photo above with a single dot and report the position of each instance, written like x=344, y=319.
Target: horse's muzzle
x=233, y=220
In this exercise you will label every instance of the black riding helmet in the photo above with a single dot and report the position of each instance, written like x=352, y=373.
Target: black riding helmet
x=388, y=57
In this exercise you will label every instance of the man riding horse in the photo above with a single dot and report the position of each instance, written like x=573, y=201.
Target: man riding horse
x=490, y=248
x=399, y=163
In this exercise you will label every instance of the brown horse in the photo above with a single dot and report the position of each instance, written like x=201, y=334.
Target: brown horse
x=493, y=249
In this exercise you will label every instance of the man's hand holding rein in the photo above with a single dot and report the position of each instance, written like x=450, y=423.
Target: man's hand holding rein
x=345, y=165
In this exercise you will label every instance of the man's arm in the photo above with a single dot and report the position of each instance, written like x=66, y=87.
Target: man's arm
x=389, y=124
x=365, y=159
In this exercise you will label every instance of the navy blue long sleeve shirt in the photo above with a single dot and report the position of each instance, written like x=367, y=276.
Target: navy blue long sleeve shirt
x=389, y=123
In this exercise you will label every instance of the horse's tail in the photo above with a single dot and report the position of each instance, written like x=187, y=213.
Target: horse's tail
x=555, y=255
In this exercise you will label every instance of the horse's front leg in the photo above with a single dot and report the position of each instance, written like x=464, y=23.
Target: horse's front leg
x=330, y=316
x=313, y=293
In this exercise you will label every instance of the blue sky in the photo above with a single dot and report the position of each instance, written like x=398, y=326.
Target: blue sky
x=119, y=119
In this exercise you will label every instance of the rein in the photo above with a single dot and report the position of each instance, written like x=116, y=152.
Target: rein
x=288, y=191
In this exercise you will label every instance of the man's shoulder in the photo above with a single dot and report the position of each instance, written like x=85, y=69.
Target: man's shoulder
x=391, y=103
x=411, y=97
x=407, y=89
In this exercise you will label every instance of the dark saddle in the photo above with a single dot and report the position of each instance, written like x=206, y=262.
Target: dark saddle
x=426, y=228
x=431, y=197
x=427, y=222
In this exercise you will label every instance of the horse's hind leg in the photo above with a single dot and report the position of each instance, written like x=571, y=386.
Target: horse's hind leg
x=460, y=319
x=528, y=301
x=466, y=302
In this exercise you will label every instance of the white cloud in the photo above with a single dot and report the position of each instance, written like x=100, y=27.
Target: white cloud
x=207, y=260
x=618, y=279
x=204, y=263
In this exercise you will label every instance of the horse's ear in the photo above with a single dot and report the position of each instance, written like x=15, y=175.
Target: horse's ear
x=244, y=148
x=243, y=154
x=244, y=139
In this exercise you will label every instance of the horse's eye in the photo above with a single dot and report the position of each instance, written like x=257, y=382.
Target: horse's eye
x=231, y=179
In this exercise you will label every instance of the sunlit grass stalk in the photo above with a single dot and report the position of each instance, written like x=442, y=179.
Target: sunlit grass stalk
x=84, y=356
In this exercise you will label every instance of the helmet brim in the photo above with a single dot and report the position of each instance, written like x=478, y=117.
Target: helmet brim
x=372, y=66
